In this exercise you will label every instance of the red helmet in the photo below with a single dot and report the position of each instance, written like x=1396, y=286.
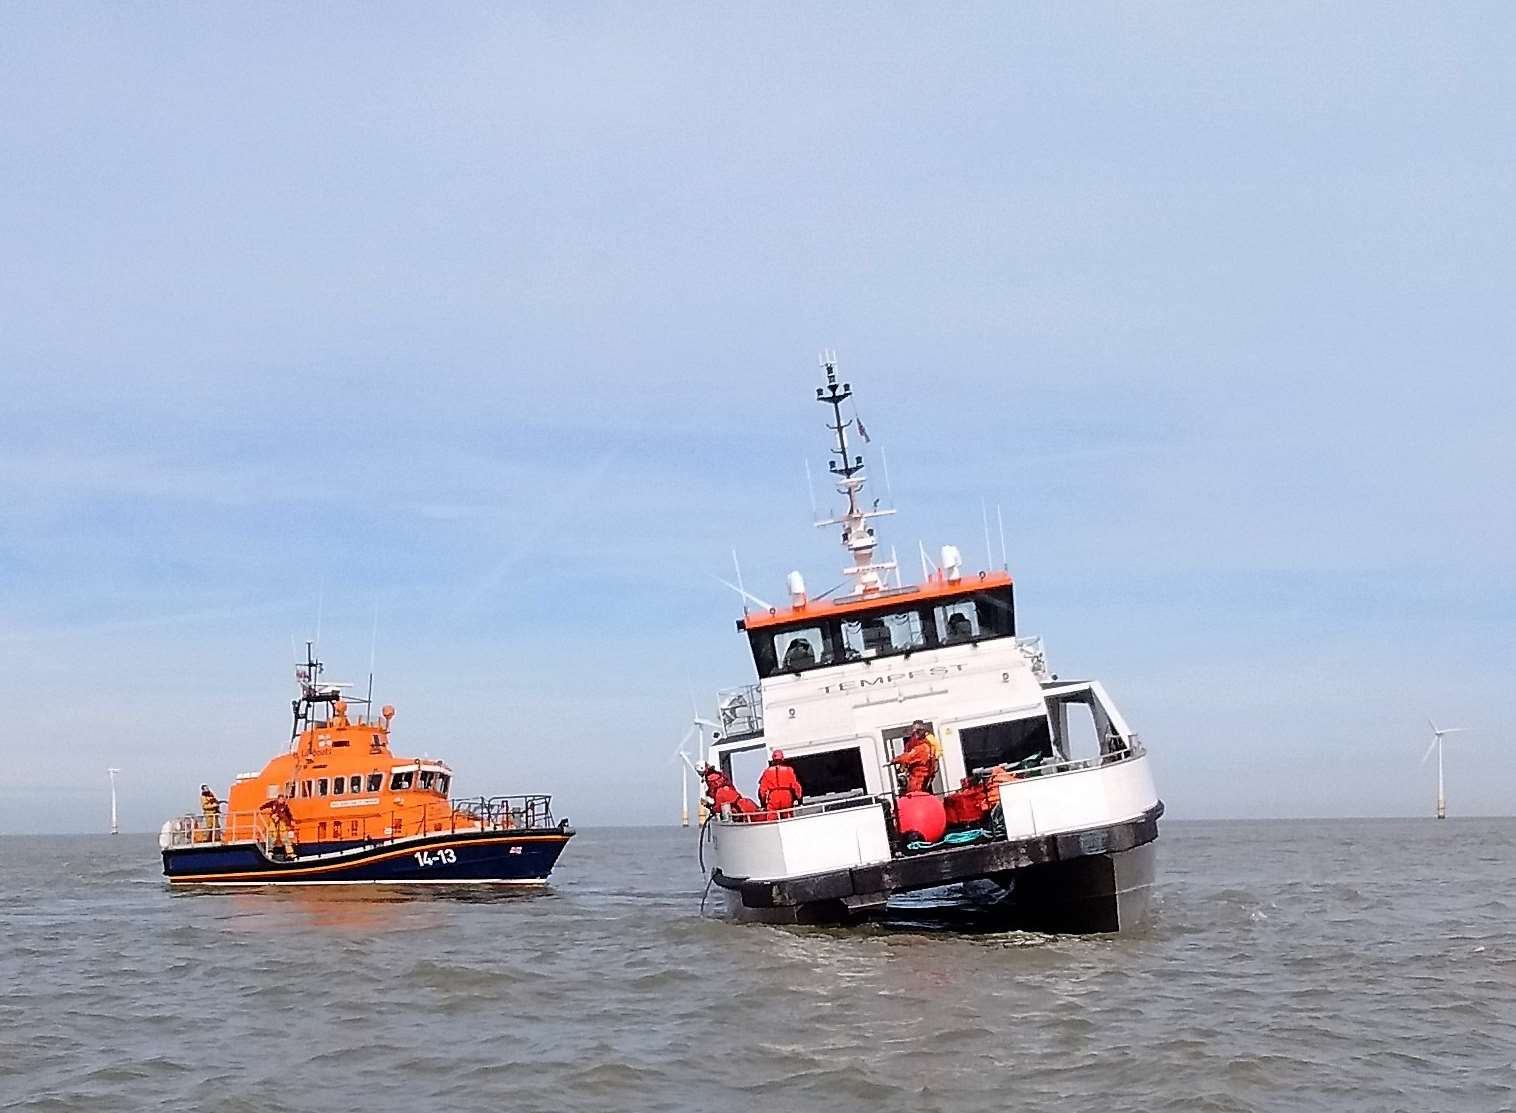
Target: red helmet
x=777, y=756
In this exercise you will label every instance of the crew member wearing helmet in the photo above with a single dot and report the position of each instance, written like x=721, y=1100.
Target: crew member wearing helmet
x=721, y=793
x=779, y=789
x=919, y=758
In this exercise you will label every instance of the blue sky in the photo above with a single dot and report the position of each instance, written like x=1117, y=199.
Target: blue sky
x=502, y=323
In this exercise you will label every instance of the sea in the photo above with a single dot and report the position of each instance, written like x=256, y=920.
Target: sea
x=1323, y=965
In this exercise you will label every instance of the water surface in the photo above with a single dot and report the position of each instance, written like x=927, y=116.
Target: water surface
x=1351, y=965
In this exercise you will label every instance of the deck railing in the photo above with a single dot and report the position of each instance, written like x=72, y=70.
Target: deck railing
x=529, y=812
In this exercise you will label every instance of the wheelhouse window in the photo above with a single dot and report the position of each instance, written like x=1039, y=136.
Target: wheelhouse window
x=831, y=773
x=402, y=780
x=321, y=787
x=355, y=783
x=443, y=781
x=428, y=781
x=852, y=636
x=339, y=785
x=876, y=635
x=801, y=648
x=375, y=782
x=305, y=788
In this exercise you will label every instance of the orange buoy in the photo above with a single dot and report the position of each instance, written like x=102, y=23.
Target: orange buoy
x=923, y=814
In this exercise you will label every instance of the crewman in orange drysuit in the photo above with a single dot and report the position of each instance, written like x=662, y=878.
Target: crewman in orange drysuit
x=919, y=758
x=281, y=824
x=779, y=789
x=721, y=793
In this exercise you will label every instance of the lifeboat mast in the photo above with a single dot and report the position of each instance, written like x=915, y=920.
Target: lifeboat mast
x=857, y=535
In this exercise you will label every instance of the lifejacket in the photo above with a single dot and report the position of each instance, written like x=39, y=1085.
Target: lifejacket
x=745, y=806
x=779, y=788
x=723, y=796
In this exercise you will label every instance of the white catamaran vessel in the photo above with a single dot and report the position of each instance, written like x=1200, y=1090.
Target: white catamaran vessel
x=1037, y=808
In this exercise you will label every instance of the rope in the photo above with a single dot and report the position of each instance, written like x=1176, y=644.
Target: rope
x=957, y=838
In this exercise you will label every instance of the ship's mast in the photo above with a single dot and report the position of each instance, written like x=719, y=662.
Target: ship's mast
x=857, y=536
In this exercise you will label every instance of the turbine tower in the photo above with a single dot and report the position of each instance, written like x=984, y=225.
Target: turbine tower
x=1442, y=804
x=115, y=828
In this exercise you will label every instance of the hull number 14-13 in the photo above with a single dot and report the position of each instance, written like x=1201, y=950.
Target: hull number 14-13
x=443, y=857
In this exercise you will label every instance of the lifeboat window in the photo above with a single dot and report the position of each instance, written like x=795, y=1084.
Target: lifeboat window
x=402, y=780
x=305, y=788
x=375, y=782
x=289, y=789
x=355, y=783
x=428, y=781
x=442, y=783
x=1013, y=742
x=321, y=787
x=339, y=785
x=832, y=773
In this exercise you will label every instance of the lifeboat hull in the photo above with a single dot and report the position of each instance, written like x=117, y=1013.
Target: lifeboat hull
x=456, y=858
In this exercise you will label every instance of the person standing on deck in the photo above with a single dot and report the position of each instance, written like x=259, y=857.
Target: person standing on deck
x=281, y=824
x=210, y=811
x=779, y=789
x=919, y=758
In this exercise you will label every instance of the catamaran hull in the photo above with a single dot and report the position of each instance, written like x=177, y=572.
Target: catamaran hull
x=459, y=858
x=1094, y=881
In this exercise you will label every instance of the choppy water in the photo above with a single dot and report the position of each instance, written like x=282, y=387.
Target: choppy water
x=1351, y=965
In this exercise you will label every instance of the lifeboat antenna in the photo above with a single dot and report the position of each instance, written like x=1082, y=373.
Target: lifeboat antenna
x=857, y=536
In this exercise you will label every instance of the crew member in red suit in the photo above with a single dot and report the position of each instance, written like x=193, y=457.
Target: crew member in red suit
x=779, y=789
x=919, y=758
x=721, y=793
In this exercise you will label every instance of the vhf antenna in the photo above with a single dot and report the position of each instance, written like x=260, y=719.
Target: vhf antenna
x=834, y=396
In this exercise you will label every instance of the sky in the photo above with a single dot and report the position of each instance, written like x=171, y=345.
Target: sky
x=479, y=337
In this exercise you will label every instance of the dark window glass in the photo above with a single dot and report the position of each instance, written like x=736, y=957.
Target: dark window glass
x=1007, y=743
x=355, y=783
x=375, y=782
x=402, y=781
x=829, y=773
x=339, y=785
x=802, y=647
x=443, y=782
x=321, y=787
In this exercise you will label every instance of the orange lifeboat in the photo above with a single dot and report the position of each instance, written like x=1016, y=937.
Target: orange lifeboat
x=340, y=806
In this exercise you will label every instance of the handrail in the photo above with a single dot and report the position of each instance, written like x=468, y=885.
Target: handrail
x=527, y=812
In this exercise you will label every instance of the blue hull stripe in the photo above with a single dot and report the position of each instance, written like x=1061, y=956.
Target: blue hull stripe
x=476, y=857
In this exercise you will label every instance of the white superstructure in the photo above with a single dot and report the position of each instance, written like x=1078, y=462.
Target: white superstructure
x=842, y=680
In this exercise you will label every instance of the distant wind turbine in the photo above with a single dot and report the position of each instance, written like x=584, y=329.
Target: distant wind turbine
x=115, y=828
x=1442, y=805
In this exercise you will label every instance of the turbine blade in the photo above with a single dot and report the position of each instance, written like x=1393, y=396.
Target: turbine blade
x=679, y=749
x=1430, y=748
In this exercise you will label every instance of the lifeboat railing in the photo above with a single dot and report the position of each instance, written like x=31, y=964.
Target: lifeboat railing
x=503, y=813
x=527, y=812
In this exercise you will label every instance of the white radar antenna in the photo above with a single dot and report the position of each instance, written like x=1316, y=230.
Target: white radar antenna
x=857, y=536
x=1442, y=804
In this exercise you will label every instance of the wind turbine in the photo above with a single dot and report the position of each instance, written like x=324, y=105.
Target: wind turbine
x=115, y=828
x=1442, y=806
x=682, y=755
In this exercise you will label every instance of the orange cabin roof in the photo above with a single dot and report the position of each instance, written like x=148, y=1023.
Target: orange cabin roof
x=934, y=590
